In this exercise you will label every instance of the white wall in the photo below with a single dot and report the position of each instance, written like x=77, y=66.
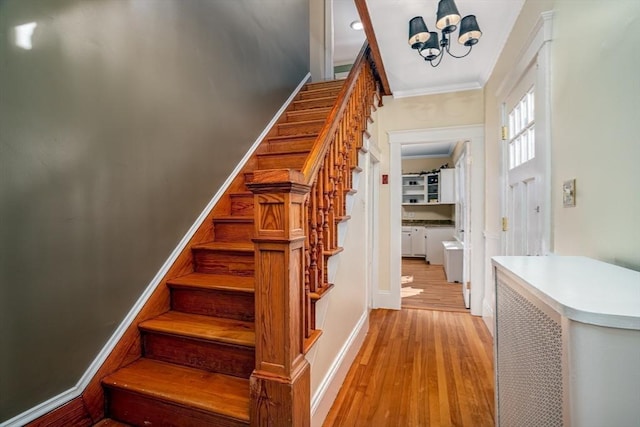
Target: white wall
x=595, y=123
x=343, y=313
x=595, y=129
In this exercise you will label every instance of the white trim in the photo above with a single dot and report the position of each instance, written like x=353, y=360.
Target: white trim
x=540, y=34
x=460, y=87
x=328, y=69
x=59, y=400
x=326, y=393
x=389, y=299
x=491, y=249
x=473, y=133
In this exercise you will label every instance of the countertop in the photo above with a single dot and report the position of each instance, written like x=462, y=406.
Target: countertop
x=580, y=288
x=427, y=223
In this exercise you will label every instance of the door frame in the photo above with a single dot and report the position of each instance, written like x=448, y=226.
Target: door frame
x=372, y=235
x=474, y=134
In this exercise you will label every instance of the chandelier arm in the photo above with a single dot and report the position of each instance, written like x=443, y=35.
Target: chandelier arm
x=439, y=58
x=458, y=57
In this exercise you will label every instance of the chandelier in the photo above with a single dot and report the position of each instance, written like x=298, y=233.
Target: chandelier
x=426, y=42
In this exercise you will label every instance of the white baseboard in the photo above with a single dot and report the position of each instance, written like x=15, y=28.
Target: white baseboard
x=330, y=386
x=72, y=393
x=487, y=316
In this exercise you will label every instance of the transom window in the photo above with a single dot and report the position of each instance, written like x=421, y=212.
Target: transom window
x=522, y=147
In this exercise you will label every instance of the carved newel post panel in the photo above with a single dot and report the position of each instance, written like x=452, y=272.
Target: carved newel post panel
x=280, y=383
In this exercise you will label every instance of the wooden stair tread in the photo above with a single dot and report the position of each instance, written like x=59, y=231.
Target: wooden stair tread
x=327, y=98
x=315, y=296
x=304, y=112
x=305, y=136
x=190, y=387
x=225, y=246
x=223, y=282
x=311, y=340
x=332, y=252
x=108, y=422
x=233, y=218
x=303, y=122
x=324, y=83
x=283, y=151
x=201, y=327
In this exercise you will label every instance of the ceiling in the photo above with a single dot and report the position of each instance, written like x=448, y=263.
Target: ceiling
x=431, y=149
x=346, y=41
x=407, y=72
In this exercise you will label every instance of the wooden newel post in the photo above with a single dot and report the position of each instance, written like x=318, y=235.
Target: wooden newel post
x=280, y=383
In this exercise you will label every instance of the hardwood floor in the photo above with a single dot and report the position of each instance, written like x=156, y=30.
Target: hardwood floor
x=437, y=293
x=419, y=368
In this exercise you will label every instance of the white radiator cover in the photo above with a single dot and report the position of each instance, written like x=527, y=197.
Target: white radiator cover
x=567, y=342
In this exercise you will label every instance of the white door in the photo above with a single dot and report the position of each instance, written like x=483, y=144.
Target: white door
x=372, y=235
x=525, y=166
x=463, y=223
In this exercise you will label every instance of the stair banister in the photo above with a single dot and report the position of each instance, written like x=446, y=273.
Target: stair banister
x=296, y=215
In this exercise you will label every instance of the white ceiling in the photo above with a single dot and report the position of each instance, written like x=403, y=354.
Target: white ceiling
x=431, y=149
x=408, y=73
x=346, y=41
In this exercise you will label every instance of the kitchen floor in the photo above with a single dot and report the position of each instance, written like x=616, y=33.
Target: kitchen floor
x=429, y=289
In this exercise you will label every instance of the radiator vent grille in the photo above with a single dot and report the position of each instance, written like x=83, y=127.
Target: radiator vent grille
x=529, y=363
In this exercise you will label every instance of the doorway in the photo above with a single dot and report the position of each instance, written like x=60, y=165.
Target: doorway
x=474, y=135
x=430, y=213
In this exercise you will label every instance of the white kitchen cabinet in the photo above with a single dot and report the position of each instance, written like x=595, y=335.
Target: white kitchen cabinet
x=429, y=189
x=447, y=186
x=413, y=242
x=413, y=189
x=406, y=241
x=434, y=237
x=418, y=245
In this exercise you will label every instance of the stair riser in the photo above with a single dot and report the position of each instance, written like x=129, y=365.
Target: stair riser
x=324, y=85
x=303, y=116
x=220, y=262
x=297, y=144
x=312, y=103
x=320, y=93
x=238, y=306
x=210, y=356
x=288, y=129
x=282, y=161
x=233, y=231
x=140, y=410
x=242, y=205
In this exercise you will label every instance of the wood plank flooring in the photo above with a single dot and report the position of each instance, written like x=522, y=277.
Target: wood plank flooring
x=419, y=368
x=437, y=293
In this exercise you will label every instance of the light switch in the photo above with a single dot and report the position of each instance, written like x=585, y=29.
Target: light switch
x=569, y=193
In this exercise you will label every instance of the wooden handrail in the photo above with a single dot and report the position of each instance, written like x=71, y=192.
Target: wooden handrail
x=314, y=160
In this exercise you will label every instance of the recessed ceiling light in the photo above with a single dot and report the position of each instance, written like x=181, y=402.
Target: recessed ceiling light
x=356, y=25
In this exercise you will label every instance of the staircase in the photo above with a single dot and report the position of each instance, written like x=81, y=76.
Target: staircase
x=197, y=357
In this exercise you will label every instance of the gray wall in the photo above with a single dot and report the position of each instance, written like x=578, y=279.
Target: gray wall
x=116, y=129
